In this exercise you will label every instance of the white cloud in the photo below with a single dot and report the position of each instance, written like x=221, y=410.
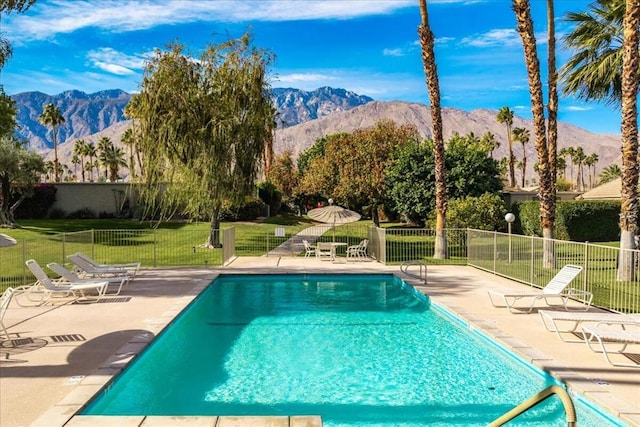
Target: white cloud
x=578, y=108
x=66, y=16
x=297, y=78
x=115, y=62
x=496, y=37
x=394, y=52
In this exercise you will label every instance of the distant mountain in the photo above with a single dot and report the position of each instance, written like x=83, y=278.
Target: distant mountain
x=87, y=114
x=299, y=138
x=84, y=114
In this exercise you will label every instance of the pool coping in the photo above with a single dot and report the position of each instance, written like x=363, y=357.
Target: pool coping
x=64, y=413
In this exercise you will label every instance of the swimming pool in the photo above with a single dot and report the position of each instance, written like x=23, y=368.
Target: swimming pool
x=359, y=350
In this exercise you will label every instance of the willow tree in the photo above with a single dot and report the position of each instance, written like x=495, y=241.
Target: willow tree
x=203, y=126
x=629, y=92
x=427, y=43
x=546, y=190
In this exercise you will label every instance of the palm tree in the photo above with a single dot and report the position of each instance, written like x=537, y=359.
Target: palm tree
x=48, y=170
x=562, y=161
x=595, y=69
x=128, y=140
x=90, y=151
x=112, y=158
x=552, y=84
x=571, y=152
x=505, y=115
x=590, y=162
x=629, y=92
x=104, y=144
x=609, y=173
x=578, y=159
x=546, y=190
x=522, y=135
x=427, y=42
x=51, y=116
x=79, y=151
x=132, y=111
x=75, y=161
x=490, y=142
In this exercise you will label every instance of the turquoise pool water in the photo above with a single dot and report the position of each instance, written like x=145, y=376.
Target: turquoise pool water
x=359, y=350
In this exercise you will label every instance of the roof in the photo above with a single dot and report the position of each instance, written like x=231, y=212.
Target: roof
x=607, y=191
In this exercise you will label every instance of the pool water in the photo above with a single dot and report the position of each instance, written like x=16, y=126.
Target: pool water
x=359, y=350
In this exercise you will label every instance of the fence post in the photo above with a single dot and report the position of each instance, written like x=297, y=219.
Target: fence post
x=495, y=250
x=24, y=259
x=267, y=248
x=155, y=248
x=586, y=265
x=93, y=243
x=64, y=241
x=533, y=248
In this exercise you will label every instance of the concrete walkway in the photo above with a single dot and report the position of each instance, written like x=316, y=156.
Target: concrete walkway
x=294, y=245
x=62, y=355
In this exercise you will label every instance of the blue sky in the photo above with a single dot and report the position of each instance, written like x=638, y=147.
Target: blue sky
x=369, y=47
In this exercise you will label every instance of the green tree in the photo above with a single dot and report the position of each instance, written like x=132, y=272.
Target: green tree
x=20, y=169
x=505, y=116
x=132, y=111
x=8, y=121
x=352, y=169
x=203, y=125
x=471, y=171
x=427, y=43
x=90, y=151
x=578, y=159
x=594, y=71
x=51, y=116
x=284, y=174
x=590, y=162
x=112, y=159
x=484, y=212
x=127, y=139
x=104, y=145
x=609, y=173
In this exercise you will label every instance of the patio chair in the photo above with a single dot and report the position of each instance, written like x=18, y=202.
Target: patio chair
x=554, y=320
x=358, y=251
x=72, y=277
x=132, y=268
x=309, y=249
x=5, y=299
x=48, y=288
x=87, y=270
x=557, y=288
x=611, y=333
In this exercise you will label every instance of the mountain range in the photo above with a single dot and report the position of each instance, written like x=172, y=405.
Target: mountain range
x=303, y=116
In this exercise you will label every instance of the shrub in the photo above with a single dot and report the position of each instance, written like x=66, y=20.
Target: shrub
x=84, y=213
x=57, y=213
x=38, y=204
x=576, y=220
x=271, y=196
x=248, y=210
x=485, y=212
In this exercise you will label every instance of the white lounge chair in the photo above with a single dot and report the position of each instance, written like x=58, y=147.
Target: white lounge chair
x=131, y=268
x=624, y=333
x=554, y=321
x=5, y=299
x=87, y=270
x=71, y=277
x=309, y=249
x=48, y=288
x=557, y=288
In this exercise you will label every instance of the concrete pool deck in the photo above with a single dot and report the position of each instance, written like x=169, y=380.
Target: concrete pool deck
x=65, y=353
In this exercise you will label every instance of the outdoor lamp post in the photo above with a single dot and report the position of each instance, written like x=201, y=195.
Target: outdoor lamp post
x=509, y=217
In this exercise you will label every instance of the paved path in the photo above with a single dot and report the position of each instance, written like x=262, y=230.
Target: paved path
x=294, y=245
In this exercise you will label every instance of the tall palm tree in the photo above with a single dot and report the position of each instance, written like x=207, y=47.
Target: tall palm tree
x=90, y=151
x=132, y=111
x=590, y=162
x=505, y=115
x=546, y=187
x=522, y=135
x=427, y=42
x=79, y=151
x=629, y=90
x=578, y=159
x=113, y=158
x=51, y=116
x=595, y=69
x=552, y=84
x=75, y=161
x=128, y=140
x=104, y=144
x=561, y=164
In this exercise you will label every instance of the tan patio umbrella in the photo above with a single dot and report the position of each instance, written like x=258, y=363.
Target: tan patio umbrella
x=6, y=241
x=333, y=214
